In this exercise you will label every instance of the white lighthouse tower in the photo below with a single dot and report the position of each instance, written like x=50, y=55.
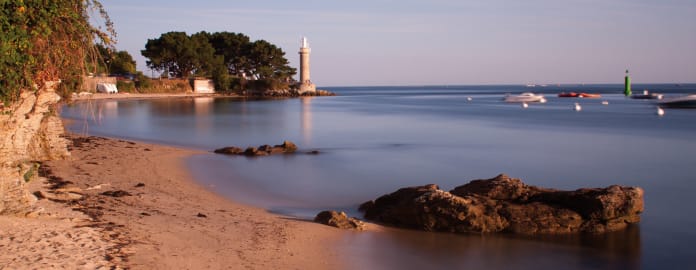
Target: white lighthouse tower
x=306, y=84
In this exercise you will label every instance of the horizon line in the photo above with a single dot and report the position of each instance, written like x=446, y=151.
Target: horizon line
x=509, y=84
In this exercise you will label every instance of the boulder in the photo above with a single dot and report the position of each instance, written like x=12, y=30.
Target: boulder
x=264, y=150
x=231, y=150
x=504, y=204
x=288, y=147
x=251, y=151
x=339, y=220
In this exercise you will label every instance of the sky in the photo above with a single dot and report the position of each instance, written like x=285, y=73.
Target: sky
x=443, y=42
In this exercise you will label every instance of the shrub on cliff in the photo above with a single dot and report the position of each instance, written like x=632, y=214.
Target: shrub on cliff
x=44, y=41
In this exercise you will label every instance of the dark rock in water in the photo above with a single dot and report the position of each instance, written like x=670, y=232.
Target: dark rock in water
x=229, y=150
x=264, y=150
x=313, y=152
x=139, y=185
x=504, y=204
x=287, y=147
x=339, y=220
x=200, y=215
x=251, y=151
x=290, y=93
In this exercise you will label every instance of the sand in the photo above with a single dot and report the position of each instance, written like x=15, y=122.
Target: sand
x=137, y=207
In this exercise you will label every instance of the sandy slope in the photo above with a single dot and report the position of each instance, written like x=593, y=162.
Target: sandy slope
x=143, y=211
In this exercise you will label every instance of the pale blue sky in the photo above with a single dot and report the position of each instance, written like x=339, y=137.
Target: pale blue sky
x=409, y=42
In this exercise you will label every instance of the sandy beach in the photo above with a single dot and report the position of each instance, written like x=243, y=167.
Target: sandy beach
x=121, y=204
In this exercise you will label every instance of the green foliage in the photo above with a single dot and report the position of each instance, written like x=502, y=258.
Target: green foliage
x=267, y=84
x=223, y=55
x=234, y=48
x=268, y=61
x=125, y=86
x=180, y=55
x=114, y=62
x=142, y=82
x=45, y=41
x=31, y=172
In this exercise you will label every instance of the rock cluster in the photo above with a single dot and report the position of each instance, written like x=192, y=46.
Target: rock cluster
x=30, y=131
x=264, y=150
x=339, y=220
x=293, y=93
x=504, y=204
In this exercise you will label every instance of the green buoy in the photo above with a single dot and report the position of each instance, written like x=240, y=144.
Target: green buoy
x=627, y=84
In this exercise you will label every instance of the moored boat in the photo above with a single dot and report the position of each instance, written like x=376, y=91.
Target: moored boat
x=688, y=101
x=571, y=94
x=590, y=95
x=525, y=97
x=647, y=95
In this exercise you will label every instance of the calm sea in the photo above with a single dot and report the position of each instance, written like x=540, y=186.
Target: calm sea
x=374, y=140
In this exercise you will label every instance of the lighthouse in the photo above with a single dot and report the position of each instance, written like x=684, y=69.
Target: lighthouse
x=306, y=84
x=627, y=84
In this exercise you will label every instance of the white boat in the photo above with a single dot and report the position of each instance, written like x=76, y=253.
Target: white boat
x=525, y=97
x=647, y=95
x=688, y=101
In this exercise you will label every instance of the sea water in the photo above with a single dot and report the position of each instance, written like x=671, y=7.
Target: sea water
x=374, y=140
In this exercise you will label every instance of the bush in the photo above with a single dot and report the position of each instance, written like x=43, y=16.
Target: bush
x=125, y=86
x=142, y=82
x=267, y=84
x=44, y=41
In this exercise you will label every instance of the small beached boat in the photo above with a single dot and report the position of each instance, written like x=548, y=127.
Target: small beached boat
x=525, y=97
x=646, y=95
x=688, y=101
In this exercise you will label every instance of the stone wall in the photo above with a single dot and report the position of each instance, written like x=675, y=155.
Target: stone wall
x=89, y=83
x=203, y=86
x=30, y=131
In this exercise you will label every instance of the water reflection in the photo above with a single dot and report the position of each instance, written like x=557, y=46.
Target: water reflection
x=108, y=109
x=376, y=143
x=203, y=108
x=306, y=120
x=385, y=250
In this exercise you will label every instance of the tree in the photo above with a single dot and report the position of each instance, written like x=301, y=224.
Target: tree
x=111, y=62
x=45, y=41
x=178, y=54
x=204, y=59
x=234, y=50
x=122, y=63
x=267, y=61
x=206, y=54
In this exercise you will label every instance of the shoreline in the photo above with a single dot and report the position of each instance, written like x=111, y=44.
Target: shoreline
x=124, y=96
x=143, y=210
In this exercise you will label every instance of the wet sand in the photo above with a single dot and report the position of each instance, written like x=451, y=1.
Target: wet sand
x=137, y=207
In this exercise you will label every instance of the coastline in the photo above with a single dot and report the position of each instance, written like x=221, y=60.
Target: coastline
x=165, y=221
x=123, y=96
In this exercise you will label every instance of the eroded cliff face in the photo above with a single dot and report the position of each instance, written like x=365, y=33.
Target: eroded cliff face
x=30, y=131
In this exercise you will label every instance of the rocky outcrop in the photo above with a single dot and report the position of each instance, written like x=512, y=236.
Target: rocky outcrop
x=264, y=150
x=504, y=204
x=30, y=131
x=339, y=220
x=292, y=93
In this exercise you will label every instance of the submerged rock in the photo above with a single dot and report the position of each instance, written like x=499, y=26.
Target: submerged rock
x=504, y=204
x=231, y=150
x=339, y=220
x=264, y=150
